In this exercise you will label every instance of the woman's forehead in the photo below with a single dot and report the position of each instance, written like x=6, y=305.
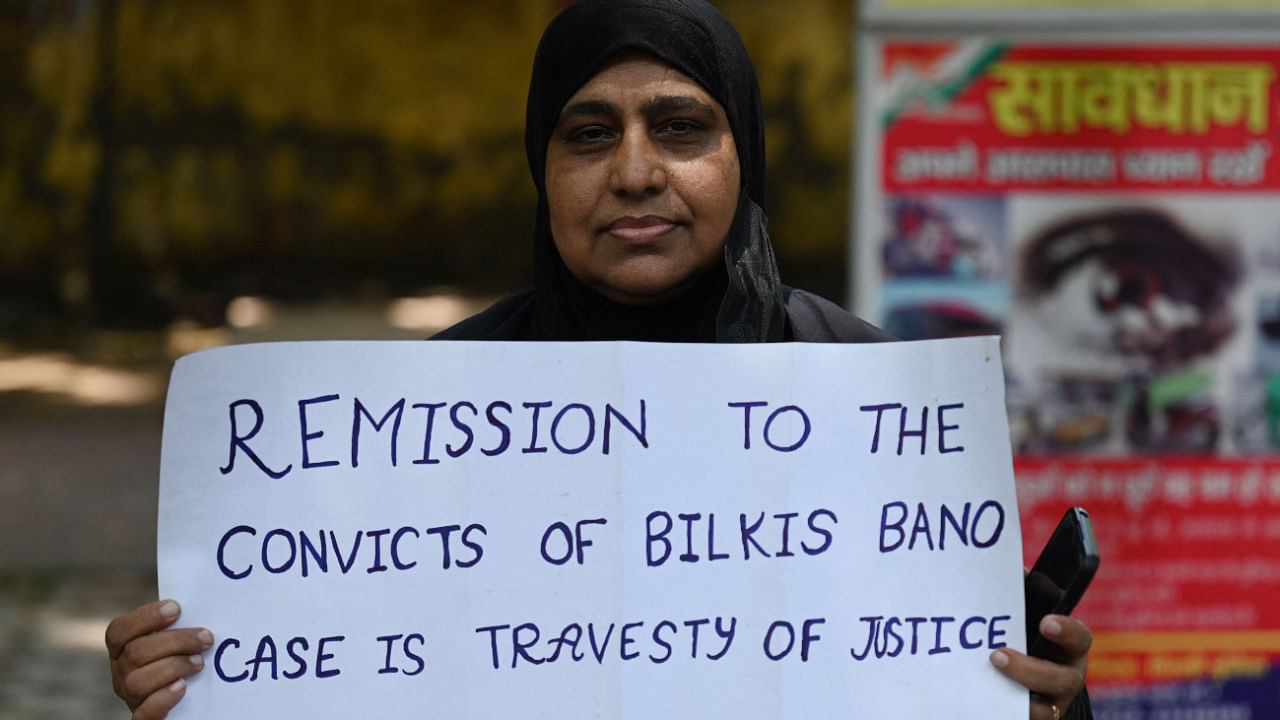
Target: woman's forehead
x=639, y=75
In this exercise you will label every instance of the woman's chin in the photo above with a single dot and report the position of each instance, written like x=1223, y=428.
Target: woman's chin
x=640, y=295
x=644, y=283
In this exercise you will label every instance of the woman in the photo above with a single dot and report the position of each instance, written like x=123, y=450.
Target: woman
x=645, y=137
x=704, y=176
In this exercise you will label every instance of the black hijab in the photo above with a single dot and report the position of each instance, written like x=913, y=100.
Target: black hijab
x=739, y=302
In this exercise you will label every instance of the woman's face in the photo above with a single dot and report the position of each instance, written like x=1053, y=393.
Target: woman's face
x=642, y=181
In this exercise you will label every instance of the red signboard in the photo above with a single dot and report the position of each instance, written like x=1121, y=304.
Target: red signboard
x=1059, y=117
x=1189, y=584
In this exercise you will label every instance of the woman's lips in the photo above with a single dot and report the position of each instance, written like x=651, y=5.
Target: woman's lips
x=640, y=229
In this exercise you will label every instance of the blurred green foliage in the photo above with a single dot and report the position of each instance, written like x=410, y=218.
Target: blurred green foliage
x=158, y=157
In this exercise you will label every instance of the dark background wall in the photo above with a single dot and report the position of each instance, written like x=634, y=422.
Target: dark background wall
x=159, y=158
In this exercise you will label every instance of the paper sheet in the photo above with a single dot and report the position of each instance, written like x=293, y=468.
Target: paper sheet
x=615, y=530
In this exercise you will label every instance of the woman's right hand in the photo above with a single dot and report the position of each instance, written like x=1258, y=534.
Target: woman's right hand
x=149, y=664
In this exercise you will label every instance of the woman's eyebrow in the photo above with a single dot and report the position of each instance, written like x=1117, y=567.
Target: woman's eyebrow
x=678, y=103
x=588, y=107
x=661, y=104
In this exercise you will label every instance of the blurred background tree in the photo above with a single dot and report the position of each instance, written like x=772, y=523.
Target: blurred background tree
x=158, y=158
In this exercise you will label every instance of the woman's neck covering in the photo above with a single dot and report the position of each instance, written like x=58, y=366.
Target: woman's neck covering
x=742, y=302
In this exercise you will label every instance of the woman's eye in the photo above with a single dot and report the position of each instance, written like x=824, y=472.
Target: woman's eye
x=682, y=131
x=681, y=127
x=589, y=134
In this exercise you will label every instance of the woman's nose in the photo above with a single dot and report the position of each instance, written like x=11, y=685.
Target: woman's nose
x=638, y=165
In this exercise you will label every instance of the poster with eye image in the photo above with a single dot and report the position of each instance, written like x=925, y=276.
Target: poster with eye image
x=1110, y=205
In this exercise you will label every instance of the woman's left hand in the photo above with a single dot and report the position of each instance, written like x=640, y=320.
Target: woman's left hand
x=1055, y=682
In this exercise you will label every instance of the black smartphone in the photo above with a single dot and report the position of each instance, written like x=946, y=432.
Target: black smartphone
x=1061, y=575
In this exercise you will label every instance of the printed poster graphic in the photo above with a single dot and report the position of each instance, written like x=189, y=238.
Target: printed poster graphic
x=1111, y=210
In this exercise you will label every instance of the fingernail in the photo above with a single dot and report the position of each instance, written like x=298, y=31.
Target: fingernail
x=196, y=660
x=999, y=659
x=177, y=685
x=169, y=609
x=205, y=637
x=1049, y=626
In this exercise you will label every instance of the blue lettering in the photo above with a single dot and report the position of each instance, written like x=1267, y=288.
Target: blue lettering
x=242, y=441
x=222, y=546
x=308, y=437
x=397, y=409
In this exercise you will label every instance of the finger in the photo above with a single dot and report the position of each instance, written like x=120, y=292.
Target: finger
x=1058, y=683
x=159, y=645
x=1072, y=636
x=146, y=681
x=146, y=619
x=158, y=705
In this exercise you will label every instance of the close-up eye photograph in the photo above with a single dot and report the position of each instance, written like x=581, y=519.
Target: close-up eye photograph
x=640, y=358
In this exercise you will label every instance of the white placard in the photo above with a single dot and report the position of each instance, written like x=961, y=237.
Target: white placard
x=573, y=530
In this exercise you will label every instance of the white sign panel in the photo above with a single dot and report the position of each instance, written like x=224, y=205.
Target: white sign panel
x=618, y=530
